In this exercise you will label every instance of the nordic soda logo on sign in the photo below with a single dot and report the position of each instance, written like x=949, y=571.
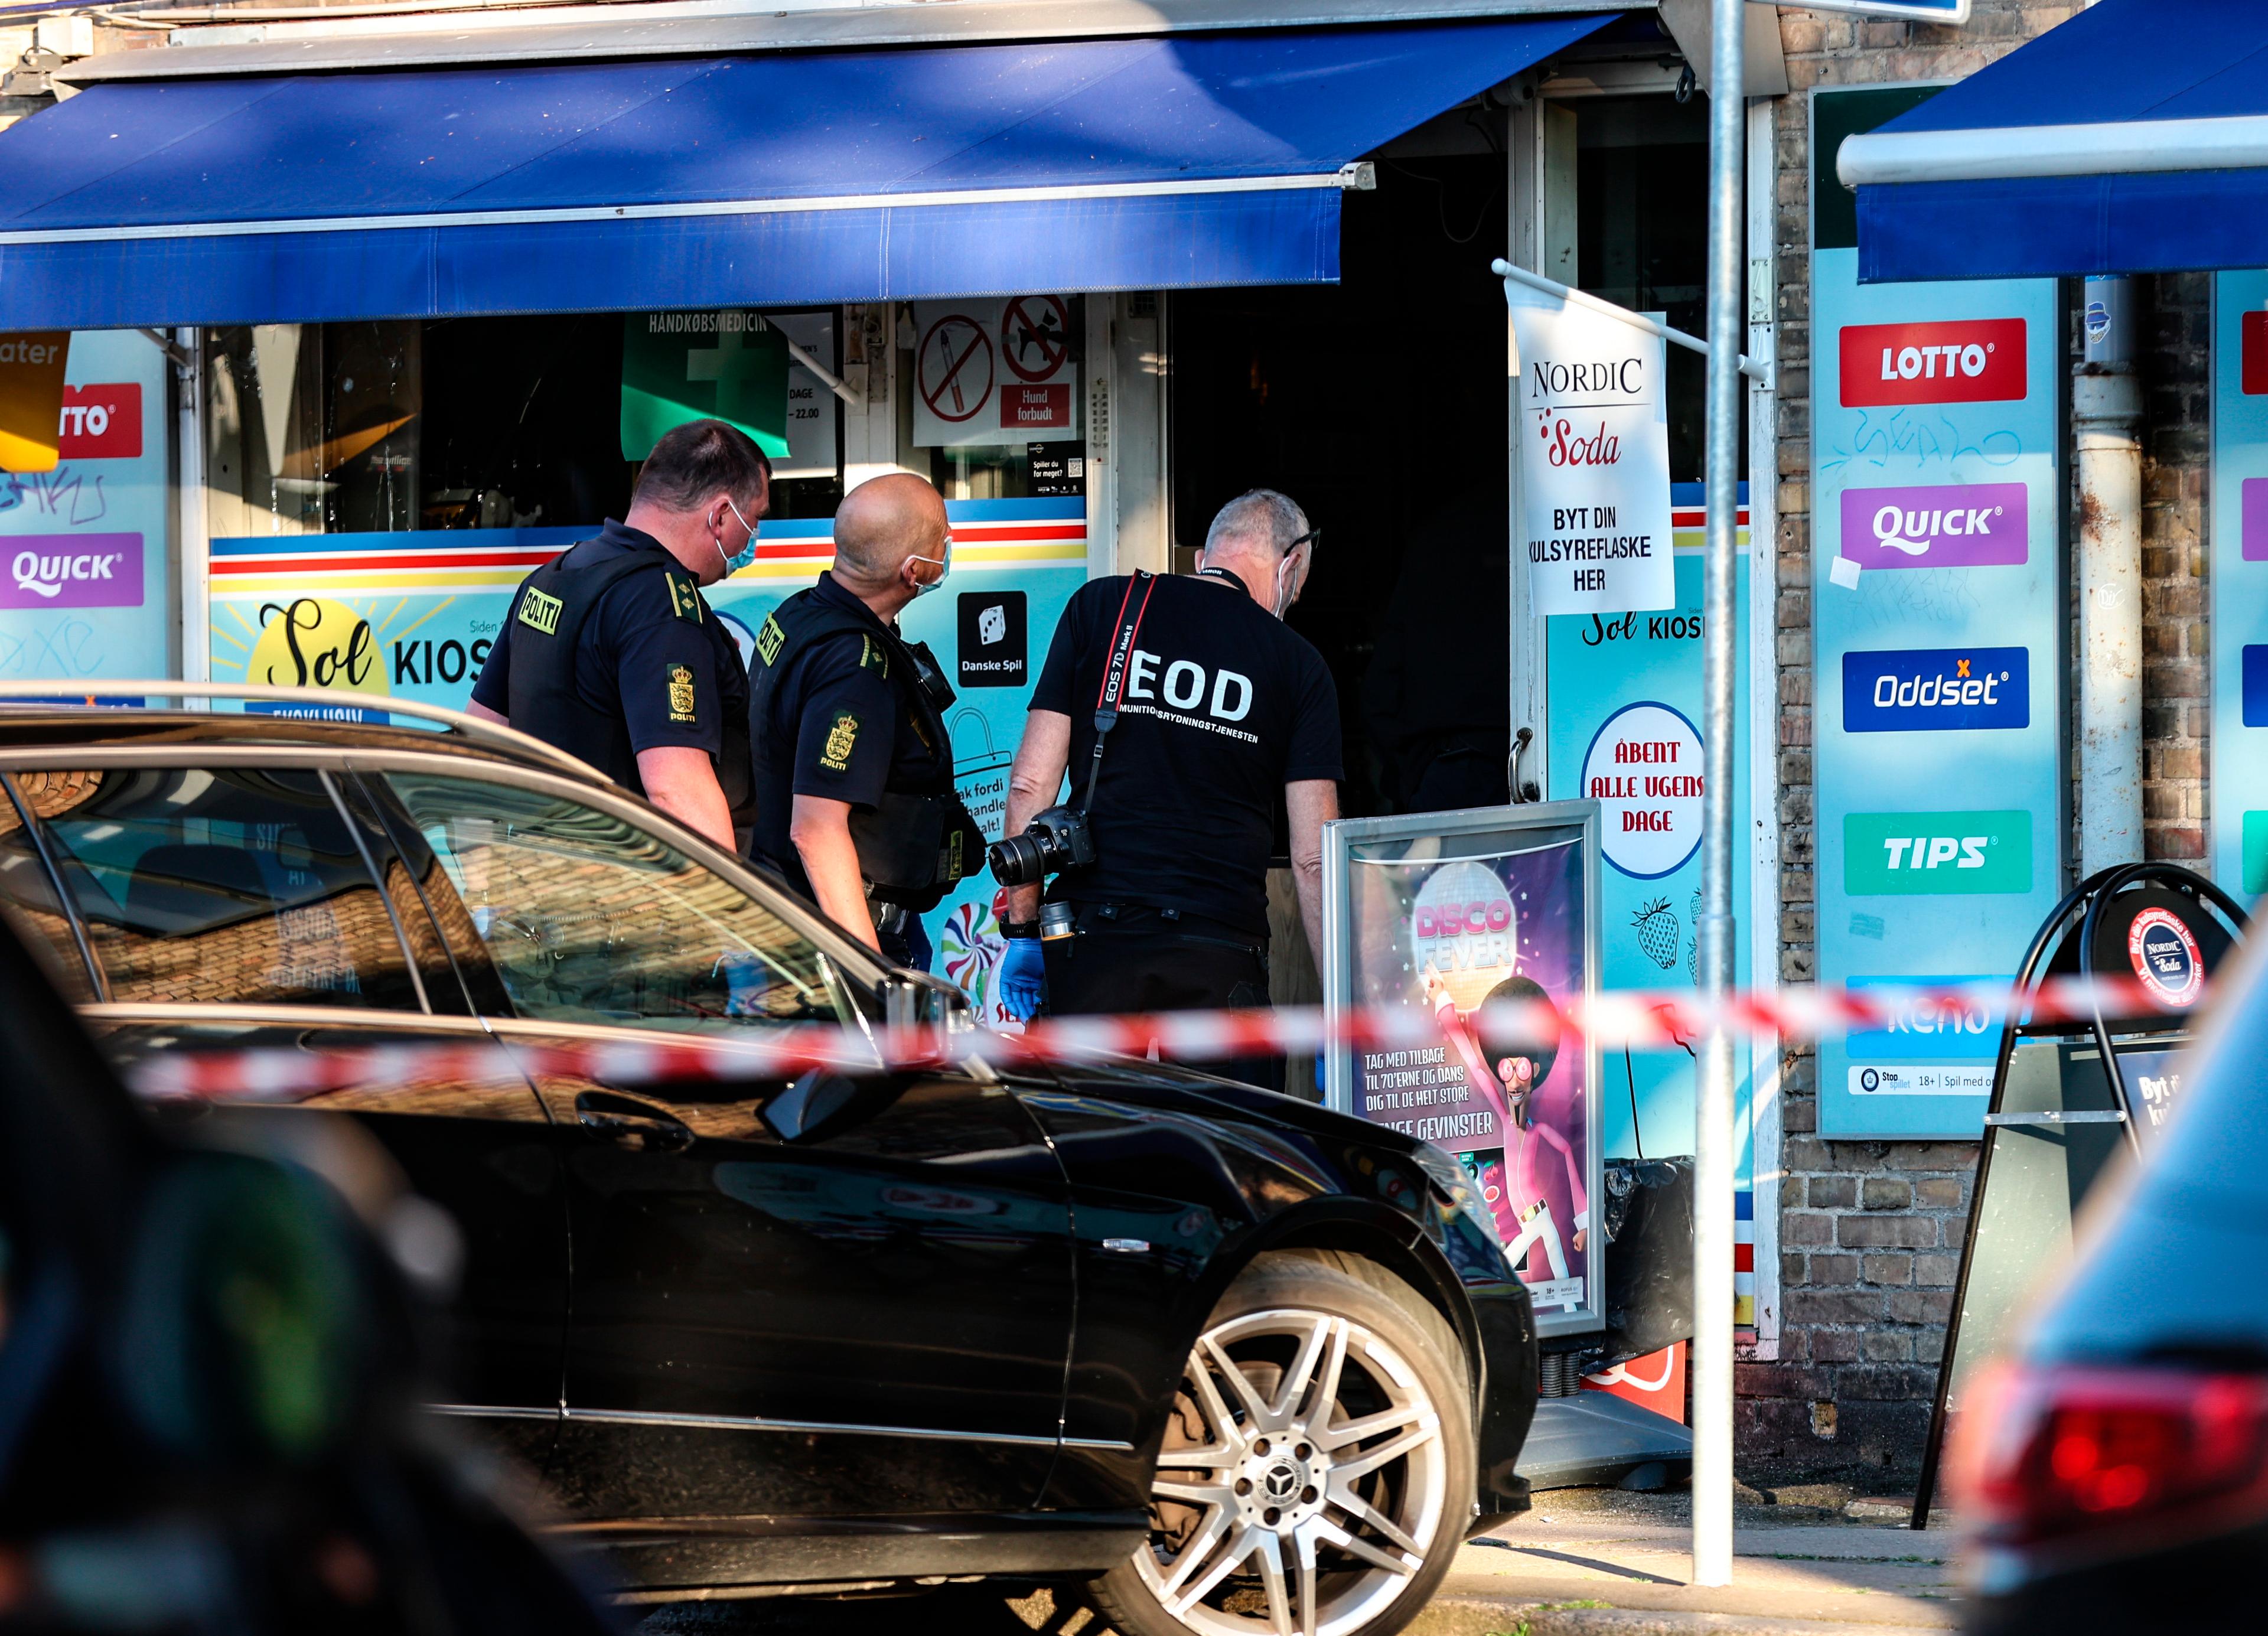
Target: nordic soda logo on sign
x=1936, y=690
x=1962, y=525
x=1934, y=854
x=1972, y=361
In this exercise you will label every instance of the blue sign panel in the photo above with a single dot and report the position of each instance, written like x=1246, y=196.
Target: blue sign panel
x=2255, y=684
x=2238, y=808
x=1923, y=723
x=1936, y=690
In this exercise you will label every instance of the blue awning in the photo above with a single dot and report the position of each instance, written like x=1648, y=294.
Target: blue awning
x=775, y=180
x=2132, y=138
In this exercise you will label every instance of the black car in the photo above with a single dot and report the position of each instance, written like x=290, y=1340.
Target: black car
x=1245, y=1364
x=2113, y=1472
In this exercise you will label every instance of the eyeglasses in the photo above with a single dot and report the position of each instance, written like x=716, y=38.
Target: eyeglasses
x=1314, y=536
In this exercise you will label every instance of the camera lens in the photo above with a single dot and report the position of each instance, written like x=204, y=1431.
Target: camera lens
x=1017, y=860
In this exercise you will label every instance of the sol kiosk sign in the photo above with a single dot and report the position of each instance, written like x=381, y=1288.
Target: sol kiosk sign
x=1594, y=446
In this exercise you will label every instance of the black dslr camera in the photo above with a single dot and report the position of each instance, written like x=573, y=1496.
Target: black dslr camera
x=1056, y=840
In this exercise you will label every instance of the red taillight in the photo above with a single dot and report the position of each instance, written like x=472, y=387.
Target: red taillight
x=2040, y=1454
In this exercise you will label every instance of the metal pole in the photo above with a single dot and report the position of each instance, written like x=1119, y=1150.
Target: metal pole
x=2106, y=404
x=1712, y=1147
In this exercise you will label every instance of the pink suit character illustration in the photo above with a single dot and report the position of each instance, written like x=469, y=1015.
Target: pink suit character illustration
x=1522, y=1211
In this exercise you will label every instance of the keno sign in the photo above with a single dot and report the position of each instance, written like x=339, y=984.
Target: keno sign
x=1593, y=444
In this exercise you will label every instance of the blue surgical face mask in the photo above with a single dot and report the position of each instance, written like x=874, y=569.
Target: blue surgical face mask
x=746, y=554
x=945, y=567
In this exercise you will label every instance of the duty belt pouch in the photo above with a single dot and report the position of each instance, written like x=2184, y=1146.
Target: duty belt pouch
x=914, y=849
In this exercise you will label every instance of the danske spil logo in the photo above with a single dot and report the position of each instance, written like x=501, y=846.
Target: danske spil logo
x=1934, y=854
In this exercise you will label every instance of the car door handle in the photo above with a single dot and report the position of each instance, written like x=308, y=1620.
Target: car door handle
x=628, y=1123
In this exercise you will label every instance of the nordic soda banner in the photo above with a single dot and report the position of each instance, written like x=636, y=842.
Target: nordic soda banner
x=412, y=615
x=1592, y=439
x=83, y=575
x=1936, y=718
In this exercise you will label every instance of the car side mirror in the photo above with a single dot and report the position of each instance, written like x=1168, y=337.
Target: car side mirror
x=822, y=1103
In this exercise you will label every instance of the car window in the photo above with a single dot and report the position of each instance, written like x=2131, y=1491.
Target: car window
x=227, y=885
x=29, y=894
x=587, y=918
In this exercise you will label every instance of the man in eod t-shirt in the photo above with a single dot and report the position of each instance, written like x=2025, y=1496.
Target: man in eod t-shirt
x=1225, y=707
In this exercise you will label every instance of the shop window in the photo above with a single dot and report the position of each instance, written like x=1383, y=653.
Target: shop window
x=472, y=422
x=996, y=406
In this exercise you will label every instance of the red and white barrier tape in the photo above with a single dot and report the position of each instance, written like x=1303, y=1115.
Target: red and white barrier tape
x=1639, y=1019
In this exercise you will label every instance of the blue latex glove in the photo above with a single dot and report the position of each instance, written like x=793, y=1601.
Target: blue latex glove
x=1024, y=979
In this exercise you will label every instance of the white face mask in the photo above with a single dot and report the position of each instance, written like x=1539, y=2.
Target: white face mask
x=945, y=567
x=1284, y=595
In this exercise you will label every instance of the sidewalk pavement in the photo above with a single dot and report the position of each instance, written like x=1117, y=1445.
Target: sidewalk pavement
x=1589, y=1562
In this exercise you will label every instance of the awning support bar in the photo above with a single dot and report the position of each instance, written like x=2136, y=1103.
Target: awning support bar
x=832, y=381
x=1759, y=373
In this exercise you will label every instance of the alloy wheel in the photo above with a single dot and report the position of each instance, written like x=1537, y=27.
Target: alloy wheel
x=1302, y=1483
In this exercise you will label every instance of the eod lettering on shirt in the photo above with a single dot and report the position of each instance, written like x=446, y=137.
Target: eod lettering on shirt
x=1186, y=686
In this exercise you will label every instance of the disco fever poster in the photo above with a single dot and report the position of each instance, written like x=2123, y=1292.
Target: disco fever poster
x=1447, y=924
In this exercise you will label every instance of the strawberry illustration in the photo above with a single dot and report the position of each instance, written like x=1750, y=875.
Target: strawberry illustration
x=1657, y=932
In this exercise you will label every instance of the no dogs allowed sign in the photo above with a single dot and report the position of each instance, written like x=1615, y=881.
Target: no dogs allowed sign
x=995, y=372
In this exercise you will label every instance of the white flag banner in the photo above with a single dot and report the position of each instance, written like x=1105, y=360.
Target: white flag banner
x=1592, y=433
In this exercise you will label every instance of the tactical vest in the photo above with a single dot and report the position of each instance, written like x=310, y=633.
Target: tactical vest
x=919, y=840
x=547, y=636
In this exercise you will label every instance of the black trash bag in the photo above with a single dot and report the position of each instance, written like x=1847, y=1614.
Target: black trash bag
x=1648, y=1220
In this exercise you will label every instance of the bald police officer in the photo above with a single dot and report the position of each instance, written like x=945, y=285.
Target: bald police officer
x=855, y=799
x=612, y=654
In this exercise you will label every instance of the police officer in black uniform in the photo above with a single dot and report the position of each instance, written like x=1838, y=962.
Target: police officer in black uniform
x=612, y=654
x=855, y=799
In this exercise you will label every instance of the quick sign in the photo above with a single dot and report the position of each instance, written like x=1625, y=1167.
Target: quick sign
x=1593, y=447
x=1967, y=525
x=1936, y=854
x=72, y=570
x=1936, y=690
x=1981, y=361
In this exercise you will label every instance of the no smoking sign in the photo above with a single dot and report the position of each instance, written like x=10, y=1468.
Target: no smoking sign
x=995, y=372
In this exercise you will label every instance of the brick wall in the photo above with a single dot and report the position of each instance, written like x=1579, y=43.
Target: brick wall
x=1871, y=1231
x=2175, y=344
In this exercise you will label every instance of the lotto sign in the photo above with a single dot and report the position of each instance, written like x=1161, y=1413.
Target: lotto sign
x=995, y=372
x=1594, y=443
x=1977, y=362
x=101, y=422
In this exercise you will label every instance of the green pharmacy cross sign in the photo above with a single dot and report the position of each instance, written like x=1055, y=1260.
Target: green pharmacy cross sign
x=684, y=366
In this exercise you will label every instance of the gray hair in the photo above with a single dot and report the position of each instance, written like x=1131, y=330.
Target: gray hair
x=1260, y=517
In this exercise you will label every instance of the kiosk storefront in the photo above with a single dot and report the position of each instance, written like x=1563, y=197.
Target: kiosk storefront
x=423, y=302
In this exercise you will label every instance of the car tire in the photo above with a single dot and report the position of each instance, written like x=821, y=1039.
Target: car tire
x=1324, y=1490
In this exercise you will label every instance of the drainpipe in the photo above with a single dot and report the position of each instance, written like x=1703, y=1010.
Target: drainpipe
x=2106, y=412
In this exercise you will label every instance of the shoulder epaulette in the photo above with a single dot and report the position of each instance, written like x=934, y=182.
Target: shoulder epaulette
x=684, y=595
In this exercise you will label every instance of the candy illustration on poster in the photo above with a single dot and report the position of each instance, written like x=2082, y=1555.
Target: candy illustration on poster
x=1452, y=938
